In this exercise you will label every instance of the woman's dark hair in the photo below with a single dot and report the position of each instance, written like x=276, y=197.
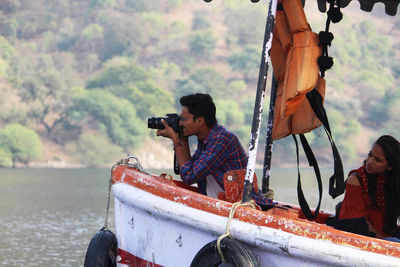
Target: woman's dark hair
x=391, y=150
x=200, y=105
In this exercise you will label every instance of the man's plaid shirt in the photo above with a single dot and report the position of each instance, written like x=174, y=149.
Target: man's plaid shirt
x=218, y=153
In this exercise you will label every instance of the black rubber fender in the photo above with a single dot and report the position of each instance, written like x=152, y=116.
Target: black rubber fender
x=102, y=249
x=235, y=253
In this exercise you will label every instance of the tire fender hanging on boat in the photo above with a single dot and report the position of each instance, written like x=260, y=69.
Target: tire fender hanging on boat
x=102, y=249
x=234, y=252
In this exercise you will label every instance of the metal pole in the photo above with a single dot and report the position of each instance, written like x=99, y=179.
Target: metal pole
x=269, y=141
x=258, y=106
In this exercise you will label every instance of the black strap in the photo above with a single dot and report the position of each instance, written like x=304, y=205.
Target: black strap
x=336, y=182
x=313, y=163
x=177, y=170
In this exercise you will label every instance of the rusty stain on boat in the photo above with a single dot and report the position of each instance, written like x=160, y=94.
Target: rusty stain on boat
x=288, y=220
x=179, y=240
x=131, y=222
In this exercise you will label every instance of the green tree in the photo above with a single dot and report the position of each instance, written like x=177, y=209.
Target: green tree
x=396, y=69
x=173, y=4
x=185, y=87
x=5, y=157
x=9, y=6
x=7, y=50
x=238, y=86
x=368, y=29
x=123, y=35
x=237, y=90
x=343, y=129
x=202, y=80
x=108, y=114
x=229, y=113
x=147, y=98
x=92, y=33
x=3, y=67
x=155, y=26
x=150, y=100
x=211, y=80
x=201, y=20
x=247, y=110
x=246, y=25
x=246, y=61
x=344, y=49
x=23, y=143
x=66, y=36
x=10, y=111
x=44, y=89
x=102, y=3
x=144, y=6
x=9, y=27
x=396, y=27
x=366, y=64
x=243, y=133
x=94, y=150
x=165, y=74
x=386, y=113
x=118, y=73
x=202, y=42
x=134, y=83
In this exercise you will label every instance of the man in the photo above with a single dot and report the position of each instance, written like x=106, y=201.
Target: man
x=218, y=150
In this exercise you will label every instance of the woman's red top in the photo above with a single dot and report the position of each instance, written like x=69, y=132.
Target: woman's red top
x=357, y=203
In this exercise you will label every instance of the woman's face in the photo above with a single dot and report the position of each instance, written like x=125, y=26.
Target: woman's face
x=376, y=162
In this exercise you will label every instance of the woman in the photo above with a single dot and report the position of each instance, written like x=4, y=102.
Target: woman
x=373, y=190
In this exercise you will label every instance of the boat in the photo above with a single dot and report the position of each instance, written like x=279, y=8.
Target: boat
x=161, y=221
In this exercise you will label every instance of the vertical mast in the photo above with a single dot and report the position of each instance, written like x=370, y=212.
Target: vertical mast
x=258, y=106
x=269, y=141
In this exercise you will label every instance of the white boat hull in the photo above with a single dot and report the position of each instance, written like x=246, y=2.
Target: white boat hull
x=155, y=231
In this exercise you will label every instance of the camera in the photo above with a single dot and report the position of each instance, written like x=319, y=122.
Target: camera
x=172, y=120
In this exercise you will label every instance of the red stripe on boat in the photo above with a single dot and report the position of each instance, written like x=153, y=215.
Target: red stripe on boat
x=131, y=260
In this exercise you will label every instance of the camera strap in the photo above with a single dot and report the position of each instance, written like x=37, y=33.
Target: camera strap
x=176, y=165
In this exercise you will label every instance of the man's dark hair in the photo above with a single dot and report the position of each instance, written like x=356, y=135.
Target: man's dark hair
x=200, y=105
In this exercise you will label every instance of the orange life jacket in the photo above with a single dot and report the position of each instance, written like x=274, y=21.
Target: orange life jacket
x=294, y=55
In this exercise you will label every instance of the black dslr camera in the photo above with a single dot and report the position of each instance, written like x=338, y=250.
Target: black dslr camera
x=172, y=120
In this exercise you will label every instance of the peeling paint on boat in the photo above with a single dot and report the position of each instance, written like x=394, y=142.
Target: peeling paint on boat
x=155, y=211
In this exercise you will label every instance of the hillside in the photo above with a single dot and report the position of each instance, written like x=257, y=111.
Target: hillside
x=86, y=75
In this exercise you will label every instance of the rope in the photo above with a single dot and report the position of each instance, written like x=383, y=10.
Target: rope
x=124, y=162
x=108, y=199
x=269, y=194
x=251, y=203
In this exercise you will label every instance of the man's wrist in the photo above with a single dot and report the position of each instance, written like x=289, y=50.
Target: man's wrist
x=175, y=145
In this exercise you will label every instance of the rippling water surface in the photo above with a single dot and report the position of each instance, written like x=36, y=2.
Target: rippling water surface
x=48, y=216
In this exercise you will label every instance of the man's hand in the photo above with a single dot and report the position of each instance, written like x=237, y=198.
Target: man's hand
x=181, y=146
x=168, y=132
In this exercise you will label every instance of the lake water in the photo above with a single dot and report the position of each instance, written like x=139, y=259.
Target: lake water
x=48, y=216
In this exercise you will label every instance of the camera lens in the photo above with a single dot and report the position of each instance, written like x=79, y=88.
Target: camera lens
x=155, y=123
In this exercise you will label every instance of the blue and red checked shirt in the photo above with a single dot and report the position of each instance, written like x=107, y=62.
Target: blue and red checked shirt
x=218, y=153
